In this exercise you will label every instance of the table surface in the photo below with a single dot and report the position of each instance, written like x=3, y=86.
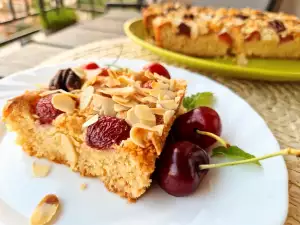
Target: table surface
x=277, y=103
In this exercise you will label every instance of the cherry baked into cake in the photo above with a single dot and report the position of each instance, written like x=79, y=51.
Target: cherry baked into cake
x=210, y=32
x=100, y=122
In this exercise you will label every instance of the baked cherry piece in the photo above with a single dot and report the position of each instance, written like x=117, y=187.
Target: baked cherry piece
x=178, y=171
x=45, y=110
x=107, y=131
x=104, y=72
x=157, y=68
x=91, y=66
x=203, y=119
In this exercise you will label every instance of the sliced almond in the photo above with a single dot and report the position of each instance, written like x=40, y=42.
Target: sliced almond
x=181, y=110
x=45, y=211
x=177, y=99
x=79, y=71
x=92, y=74
x=143, y=112
x=148, y=74
x=160, y=85
x=112, y=82
x=159, y=129
x=170, y=94
x=158, y=111
x=149, y=99
x=168, y=115
x=172, y=85
x=119, y=99
x=86, y=97
x=40, y=170
x=69, y=151
x=129, y=104
x=148, y=123
x=161, y=78
x=90, y=121
x=131, y=118
x=125, y=80
x=45, y=93
x=119, y=108
x=139, y=133
x=63, y=103
x=125, y=91
x=83, y=186
x=122, y=115
x=112, y=73
x=168, y=104
x=103, y=105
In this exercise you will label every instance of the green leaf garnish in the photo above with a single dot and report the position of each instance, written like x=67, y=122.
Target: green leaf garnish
x=199, y=99
x=233, y=152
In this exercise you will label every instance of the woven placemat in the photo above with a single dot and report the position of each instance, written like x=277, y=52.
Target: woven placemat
x=277, y=103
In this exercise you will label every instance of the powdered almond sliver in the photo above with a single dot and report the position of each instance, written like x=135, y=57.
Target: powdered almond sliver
x=45, y=211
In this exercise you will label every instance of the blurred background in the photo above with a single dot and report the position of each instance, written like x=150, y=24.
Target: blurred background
x=67, y=24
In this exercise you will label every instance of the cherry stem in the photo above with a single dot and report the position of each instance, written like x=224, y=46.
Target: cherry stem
x=214, y=136
x=287, y=151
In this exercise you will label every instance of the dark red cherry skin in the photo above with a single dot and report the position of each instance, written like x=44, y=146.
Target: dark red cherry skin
x=91, y=66
x=178, y=168
x=202, y=118
x=157, y=68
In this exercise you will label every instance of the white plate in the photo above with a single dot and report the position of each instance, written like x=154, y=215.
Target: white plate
x=241, y=195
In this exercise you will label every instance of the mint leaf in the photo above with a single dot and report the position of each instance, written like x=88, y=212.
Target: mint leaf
x=199, y=99
x=233, y=152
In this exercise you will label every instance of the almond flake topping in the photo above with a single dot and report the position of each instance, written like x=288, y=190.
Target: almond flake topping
x=58, y=91
x=131, y=117
x=143, y=112
x=119, y=99
x=119, y=108
x=45, y=211
x=86, y=97
x=168, y=104
x=103, y=105
x=79, y=71
x=40, y=170
x=63, y=103
x=158, y=111
x=83, y=186
x=125, y=91
x=168, y=115
x=90, y=121
x=139, y=133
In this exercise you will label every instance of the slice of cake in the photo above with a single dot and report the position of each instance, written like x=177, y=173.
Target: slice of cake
x=209, y=32
x=104, y=123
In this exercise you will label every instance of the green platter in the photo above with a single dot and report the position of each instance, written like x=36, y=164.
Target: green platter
x=259, y=69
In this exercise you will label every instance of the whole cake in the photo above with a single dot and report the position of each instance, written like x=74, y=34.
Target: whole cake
x=210, y=32
x=100, y=122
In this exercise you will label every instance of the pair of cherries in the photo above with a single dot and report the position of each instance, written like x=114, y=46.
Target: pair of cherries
x=152, y=67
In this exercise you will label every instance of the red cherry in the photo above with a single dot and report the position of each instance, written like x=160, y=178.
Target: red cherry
x=203, y=119
x=104, y=72
x=157, y=68
x=178, y=168
x=91, y=66
x=107, y=131
x=45, y=110
x=225, y=37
